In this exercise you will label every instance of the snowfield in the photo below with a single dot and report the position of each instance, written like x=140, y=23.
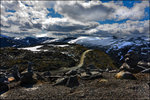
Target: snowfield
x=96, y=41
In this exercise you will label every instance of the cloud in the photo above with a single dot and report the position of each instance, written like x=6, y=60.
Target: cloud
x=135, y=13
x=29, y=18
x=96, y=10
x=83, y=11
x=133, y=28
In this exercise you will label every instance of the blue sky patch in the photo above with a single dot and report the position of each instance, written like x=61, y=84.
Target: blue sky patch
x=52, y=13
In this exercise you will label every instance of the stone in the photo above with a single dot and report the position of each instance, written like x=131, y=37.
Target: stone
x=47, y=73
x=4, y=79
x=95, y=74
x=11, y=79
x=71, y=72
x=3, y=87
x=16, y=73
x=27, y=78
x=84, y=75
x=138, y=69
x=72, y=81
x=61, y=81
x=125, y=75
x=30, y=69
x=112, y=71
x=125, y=67
x=144, y=64
x=148, y=84
x=146, y=70
x=37, y=76
x=14, y=84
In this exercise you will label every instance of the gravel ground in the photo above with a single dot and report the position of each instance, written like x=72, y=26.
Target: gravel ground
x=103, y=88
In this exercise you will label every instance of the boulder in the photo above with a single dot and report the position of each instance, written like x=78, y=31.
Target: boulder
x=3, y=87
x=125, y=75
x=27, y=78
x=72, y=81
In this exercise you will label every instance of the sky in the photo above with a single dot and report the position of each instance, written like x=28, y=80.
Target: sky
x=74, y=18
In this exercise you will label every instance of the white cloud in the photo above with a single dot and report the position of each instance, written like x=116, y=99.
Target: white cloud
x=134, y=13
x=30, y=18
x=83, y=11
x=134, y=28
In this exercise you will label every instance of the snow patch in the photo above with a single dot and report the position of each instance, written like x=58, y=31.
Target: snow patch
x=49, y=41
x=59, y=45
x=122, y=45
x=36, y=48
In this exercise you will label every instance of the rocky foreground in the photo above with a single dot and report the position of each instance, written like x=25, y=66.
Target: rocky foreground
x=71, y=72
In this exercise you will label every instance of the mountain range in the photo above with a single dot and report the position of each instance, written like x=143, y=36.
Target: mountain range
x=116, y=47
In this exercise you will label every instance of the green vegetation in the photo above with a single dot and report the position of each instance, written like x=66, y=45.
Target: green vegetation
x=99, y=59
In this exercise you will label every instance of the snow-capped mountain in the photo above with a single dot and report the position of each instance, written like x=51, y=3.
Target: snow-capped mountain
x=117, y=47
